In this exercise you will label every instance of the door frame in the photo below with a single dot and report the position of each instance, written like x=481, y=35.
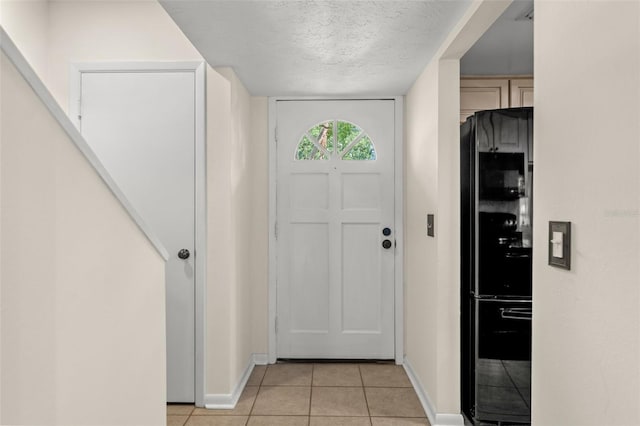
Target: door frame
x=398, y=218
x=200, y=208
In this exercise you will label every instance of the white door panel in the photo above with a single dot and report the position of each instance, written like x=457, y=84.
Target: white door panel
x=335, y=195
x=141, y=127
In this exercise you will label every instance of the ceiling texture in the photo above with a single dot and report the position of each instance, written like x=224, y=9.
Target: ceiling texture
x=319, y=48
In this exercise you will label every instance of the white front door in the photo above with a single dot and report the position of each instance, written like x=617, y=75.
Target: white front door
x=141, y=127
x=335, y=229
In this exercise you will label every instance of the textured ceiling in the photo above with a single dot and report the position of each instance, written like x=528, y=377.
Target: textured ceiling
x=332, y=48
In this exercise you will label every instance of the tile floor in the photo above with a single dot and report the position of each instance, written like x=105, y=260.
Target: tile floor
x=504, y=390
x=294, y=394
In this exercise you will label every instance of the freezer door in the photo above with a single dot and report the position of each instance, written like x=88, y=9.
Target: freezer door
x=503, y=361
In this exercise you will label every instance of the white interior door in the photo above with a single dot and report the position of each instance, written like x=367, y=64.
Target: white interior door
x=141, y=126
x=335, y=203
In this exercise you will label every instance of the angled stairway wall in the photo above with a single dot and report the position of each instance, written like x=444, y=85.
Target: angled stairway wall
x=51, y=35
x=81, y=286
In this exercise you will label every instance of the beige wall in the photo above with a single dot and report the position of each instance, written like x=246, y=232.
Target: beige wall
x=586, y=345
x=88, y=31
x=28, y=24
x=239, y=185
x=259, y=163
x=92, y=31
x=421, y=192
x=74, y=345
x=586, y=329
x=142, y=31
x=432, y=170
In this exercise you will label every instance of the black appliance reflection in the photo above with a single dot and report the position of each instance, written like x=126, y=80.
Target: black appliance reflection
x=496, y=204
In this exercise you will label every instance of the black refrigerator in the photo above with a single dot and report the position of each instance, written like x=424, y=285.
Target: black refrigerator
x=496, y=234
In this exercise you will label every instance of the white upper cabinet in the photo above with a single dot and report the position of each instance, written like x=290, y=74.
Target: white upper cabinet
x=479, y=94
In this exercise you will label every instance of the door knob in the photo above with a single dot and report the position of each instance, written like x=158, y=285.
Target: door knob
x=184, y=254
x=386, y=244
x=386, y=232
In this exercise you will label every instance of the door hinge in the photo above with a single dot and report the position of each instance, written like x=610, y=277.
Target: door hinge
x=275, y=134
x=275, y=230
x=276, y=325
x=80, y=110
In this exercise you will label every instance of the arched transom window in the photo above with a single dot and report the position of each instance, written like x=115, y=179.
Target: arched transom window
x=335, y=139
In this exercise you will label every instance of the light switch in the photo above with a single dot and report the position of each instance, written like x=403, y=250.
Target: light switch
x=556, y=244
x=430, y=230
x=560, y=244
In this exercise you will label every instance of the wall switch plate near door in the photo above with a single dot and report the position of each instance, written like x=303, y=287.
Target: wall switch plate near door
x=560, y=244
x=430, y=230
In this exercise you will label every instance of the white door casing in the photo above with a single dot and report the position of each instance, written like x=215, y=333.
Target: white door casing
x=335, y=282
x=143, y=127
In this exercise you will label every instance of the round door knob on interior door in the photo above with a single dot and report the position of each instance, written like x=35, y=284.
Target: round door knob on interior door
x=184, y=254
x=386, y=232
x=386, y=244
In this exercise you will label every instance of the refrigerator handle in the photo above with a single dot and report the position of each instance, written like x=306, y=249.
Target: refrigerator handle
x=515, y=313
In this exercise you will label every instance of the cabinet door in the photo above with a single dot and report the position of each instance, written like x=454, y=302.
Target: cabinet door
x=522, y=92
x=502, y=131
x=482, y=94
x=512, y=135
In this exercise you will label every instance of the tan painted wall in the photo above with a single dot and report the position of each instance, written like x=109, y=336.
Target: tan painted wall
x=586, y=329
x=432, y=179
x=142, y=31
x=421, y=191
x=76, y=349
x=91, y=31
x=240, y=187
x=94, y=31
x=28, y=24
x=259, y=163
x=432, y=283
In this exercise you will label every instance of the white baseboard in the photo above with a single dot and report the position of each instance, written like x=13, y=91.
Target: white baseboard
x=261, y=359
x=435, y=418
x=228, y=401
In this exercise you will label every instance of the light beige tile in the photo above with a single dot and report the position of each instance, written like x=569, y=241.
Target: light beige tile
x=336, y=375
x=176, y=420
x=384, y=375
x=257, y=375
x=394, y=402
x=217, y=421
x=288, y=375
x=396, y=421
x=243, y=407
x=278, y=421
x=338, y=401
x=282, y=401
x=340, y=421
x=179, y=409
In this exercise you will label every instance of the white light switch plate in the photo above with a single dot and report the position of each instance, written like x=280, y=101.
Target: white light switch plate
x=556, y=244
x=560, y=244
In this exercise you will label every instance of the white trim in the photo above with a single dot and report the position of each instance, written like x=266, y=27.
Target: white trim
x=399, y=228
x=201, y=233
x=273, y=247
x=261, y=359
x=398, y=215
x=23, y=67
x=200, y=208
x=435, y=418
x=228, y=401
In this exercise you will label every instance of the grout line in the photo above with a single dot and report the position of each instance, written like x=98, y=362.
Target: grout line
x=506, y=370
x=189, y=416
x=256, y=398
x=364, y=391
x=313, y=367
